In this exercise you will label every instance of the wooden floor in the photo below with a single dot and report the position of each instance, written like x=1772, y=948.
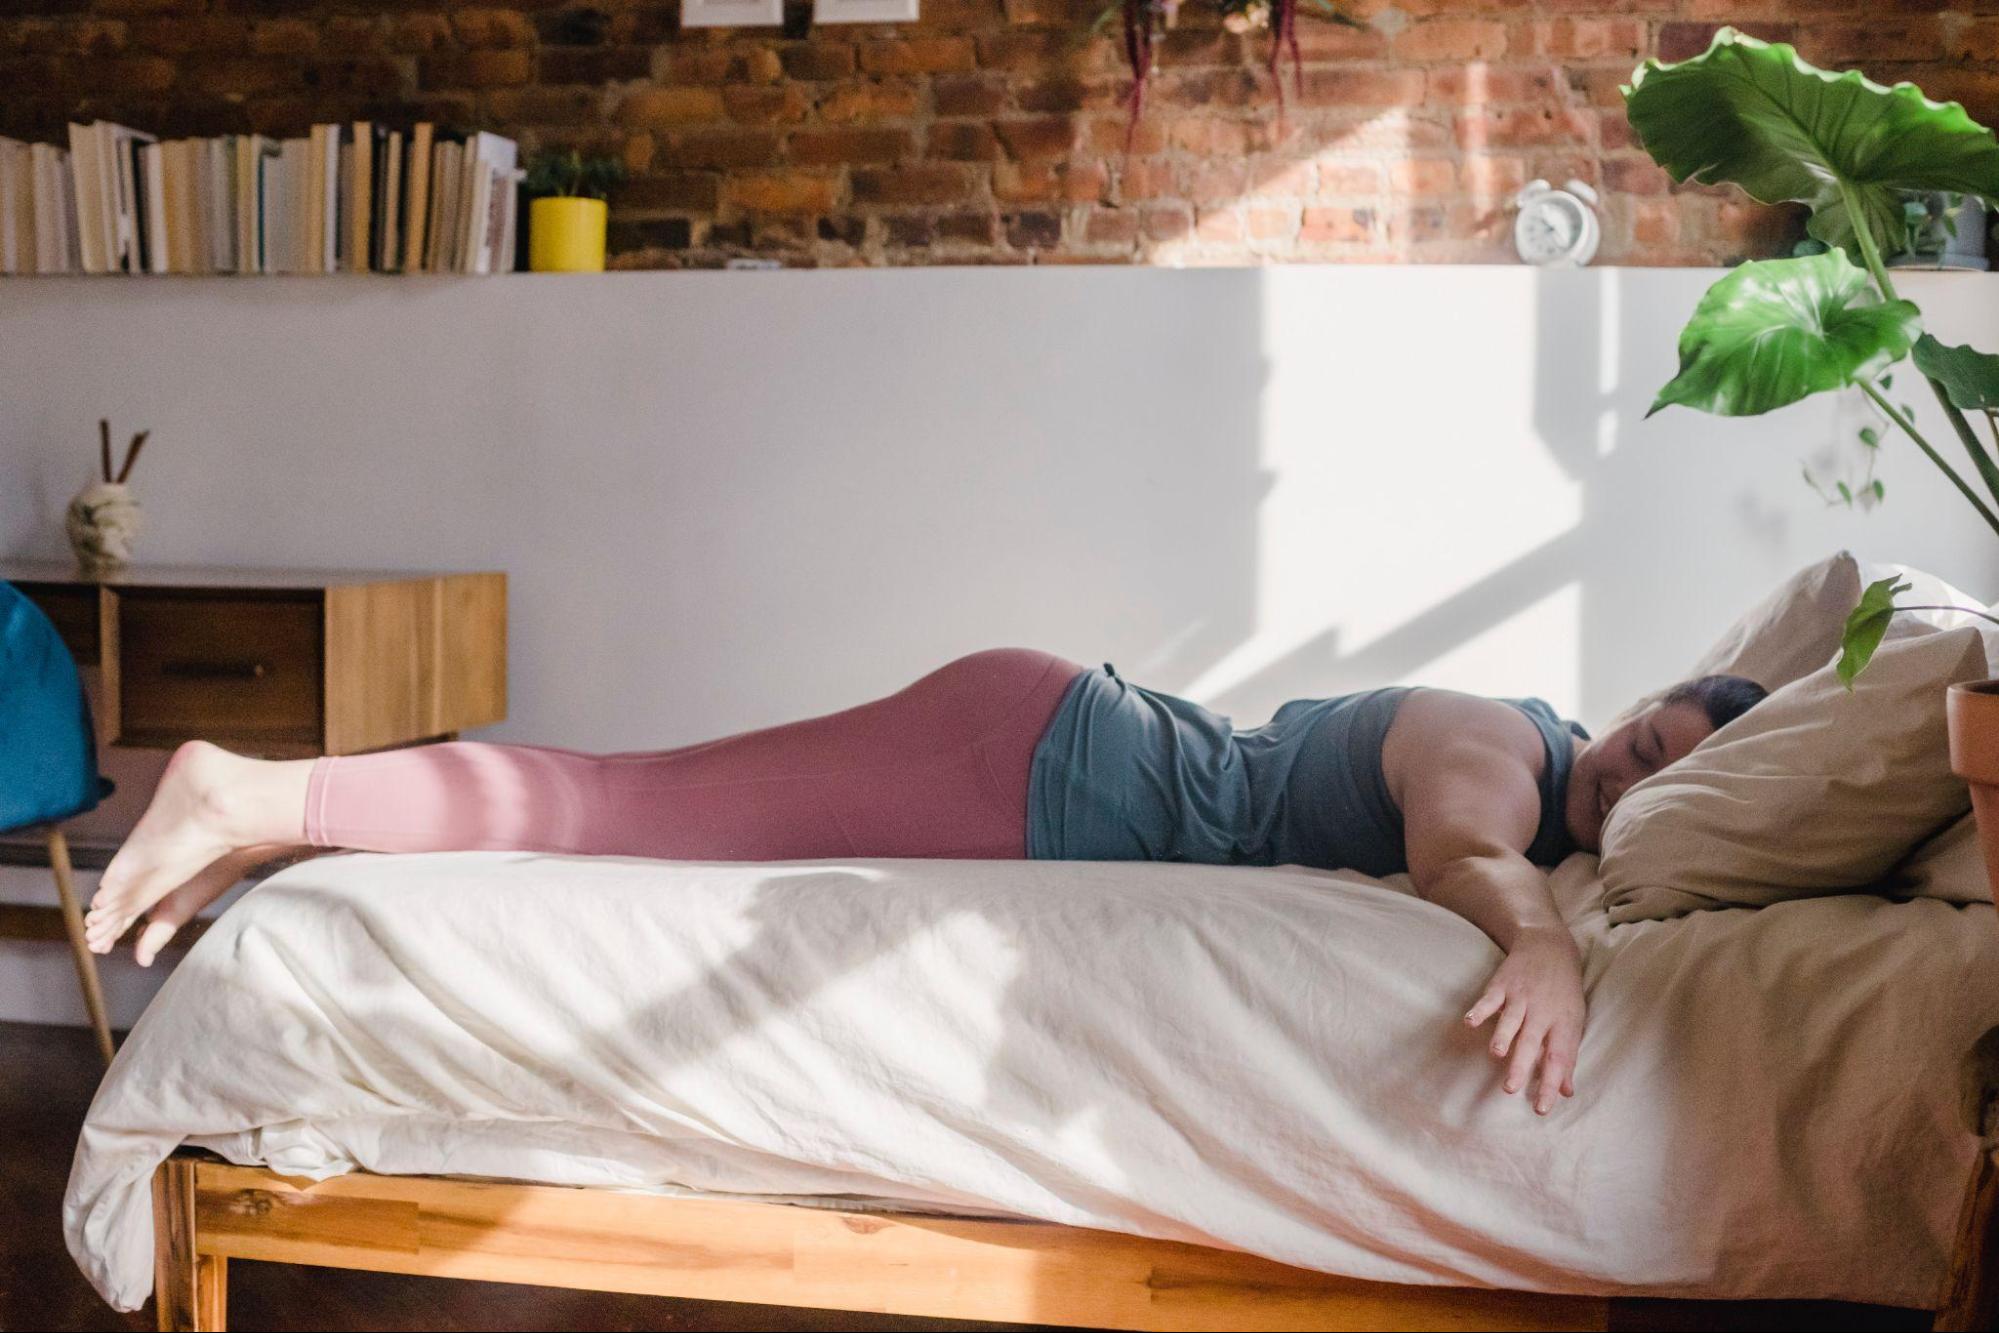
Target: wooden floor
x=46, y=1079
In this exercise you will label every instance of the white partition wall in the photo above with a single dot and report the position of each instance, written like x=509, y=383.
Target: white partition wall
x=730, y=499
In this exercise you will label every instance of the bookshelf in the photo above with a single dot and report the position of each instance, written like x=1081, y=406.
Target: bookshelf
x=357, y=197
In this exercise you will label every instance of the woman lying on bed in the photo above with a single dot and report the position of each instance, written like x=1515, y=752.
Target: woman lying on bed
x=1007, y=753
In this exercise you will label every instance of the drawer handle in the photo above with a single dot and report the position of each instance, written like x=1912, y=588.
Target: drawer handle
x=214, y=670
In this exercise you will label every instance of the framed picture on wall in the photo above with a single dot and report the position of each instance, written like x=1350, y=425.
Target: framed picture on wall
x=731, y=13
x=864, y=11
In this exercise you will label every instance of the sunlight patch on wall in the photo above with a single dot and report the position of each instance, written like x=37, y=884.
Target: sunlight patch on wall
x=1405, y=469
x=1609, y=346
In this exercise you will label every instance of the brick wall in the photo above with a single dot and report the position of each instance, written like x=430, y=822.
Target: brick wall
x=993, y=131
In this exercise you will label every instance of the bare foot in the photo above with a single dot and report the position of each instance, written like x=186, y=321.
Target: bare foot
x=181, y=906
x=209, y=804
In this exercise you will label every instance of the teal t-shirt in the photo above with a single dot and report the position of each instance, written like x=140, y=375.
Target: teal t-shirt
x=1123, y=773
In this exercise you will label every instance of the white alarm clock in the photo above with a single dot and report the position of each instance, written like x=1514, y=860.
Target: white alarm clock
x=1556, y=228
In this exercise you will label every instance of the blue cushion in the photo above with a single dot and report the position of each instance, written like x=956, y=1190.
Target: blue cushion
x=48, y=751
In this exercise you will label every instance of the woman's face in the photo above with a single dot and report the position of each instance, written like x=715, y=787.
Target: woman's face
x=1606, y=768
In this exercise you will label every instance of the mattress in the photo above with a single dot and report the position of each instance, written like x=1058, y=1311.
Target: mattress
x=1268, y=1059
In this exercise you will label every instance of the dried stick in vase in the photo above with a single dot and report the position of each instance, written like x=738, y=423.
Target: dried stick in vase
x=104, y=446
x=132, y=455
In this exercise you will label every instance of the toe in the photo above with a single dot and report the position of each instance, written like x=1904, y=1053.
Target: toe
x=152, y=939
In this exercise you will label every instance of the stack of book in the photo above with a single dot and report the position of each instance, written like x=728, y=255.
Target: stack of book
x=357, y=198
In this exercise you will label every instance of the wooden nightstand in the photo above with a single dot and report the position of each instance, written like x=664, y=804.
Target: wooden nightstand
x=281, y=663
x=275, y=663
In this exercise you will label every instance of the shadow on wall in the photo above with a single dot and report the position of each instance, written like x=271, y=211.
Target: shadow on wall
x=1502, y=517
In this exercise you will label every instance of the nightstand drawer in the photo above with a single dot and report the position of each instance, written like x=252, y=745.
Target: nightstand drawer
x=228, y=667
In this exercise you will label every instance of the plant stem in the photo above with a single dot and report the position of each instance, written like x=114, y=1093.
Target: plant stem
x=1988, y=471
x=1961, y=610
x=1909, y=429
x=1870, y=254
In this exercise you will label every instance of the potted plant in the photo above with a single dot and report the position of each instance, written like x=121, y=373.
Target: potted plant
x=1774, y=332
x=567, y=219
x=1940, y=230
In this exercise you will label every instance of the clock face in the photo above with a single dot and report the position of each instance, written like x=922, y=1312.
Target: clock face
x=1554, y=228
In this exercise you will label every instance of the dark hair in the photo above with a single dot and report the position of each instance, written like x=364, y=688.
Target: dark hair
x=1722, y=698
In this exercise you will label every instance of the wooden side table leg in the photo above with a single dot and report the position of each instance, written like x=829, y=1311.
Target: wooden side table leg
x=190, y=1290
x=86, y=961
x=1970, y=1296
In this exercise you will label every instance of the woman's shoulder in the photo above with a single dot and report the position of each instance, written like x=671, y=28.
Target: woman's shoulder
x=1438, y=720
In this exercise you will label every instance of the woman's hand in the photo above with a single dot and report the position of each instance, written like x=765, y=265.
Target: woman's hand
x=1538, y=995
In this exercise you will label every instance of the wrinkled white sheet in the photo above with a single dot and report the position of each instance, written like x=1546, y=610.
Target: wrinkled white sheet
x=1267, y=1059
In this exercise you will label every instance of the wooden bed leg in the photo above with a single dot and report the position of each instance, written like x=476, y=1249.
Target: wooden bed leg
x=1970, y=1297
x=190, y=1290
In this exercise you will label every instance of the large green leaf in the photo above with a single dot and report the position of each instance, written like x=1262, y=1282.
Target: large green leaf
x=1773, y=332
x=1865, y=628
x=1754, y=114
x=1969, y=376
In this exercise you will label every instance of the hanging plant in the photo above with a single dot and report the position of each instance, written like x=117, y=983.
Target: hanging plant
x=1145, y=22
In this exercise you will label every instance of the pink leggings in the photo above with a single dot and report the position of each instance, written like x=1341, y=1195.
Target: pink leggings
x=938, y=768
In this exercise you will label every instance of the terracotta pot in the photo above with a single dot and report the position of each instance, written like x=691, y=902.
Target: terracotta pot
x=1973, y=712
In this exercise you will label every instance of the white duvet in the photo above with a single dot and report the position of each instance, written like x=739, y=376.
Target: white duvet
x=1266, y=1059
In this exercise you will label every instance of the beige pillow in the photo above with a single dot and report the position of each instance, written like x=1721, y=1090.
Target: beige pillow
x=1950, y=866
x=1813, y=791
x=1792, y=632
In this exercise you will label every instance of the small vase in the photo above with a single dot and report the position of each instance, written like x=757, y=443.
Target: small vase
x=1972, y=711
x=566, y=235
x=101, y=523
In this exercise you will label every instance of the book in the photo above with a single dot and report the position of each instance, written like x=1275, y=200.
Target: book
x=17, y=208
x=473, y=207
x=200, y=197
x=122, y=191
x=247, y=148
x=153, y=170
x=313, y=201
x=45, y=168
x=416, y=209
x=485, y=155
x=58, y=248
x=274, y=206
x=175, y=187
x=329, y=203
x=360, y=197
x=297, y=243
x=499, y=253
x=222, y=204
x=449, y=165
x=388, y=203
x=89, y=195
x=141, y=257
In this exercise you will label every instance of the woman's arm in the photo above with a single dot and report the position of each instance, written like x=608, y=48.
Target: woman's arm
x=1466, y=779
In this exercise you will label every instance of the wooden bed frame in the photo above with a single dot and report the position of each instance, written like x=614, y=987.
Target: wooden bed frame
x=208, y=1212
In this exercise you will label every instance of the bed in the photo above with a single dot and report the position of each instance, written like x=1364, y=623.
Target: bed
x=1121, y=1095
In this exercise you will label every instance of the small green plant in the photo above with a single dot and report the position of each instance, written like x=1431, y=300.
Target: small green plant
x=571, y=175
x=1774, y=332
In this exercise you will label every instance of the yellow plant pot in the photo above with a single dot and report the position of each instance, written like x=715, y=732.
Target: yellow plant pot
x=566, y=235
